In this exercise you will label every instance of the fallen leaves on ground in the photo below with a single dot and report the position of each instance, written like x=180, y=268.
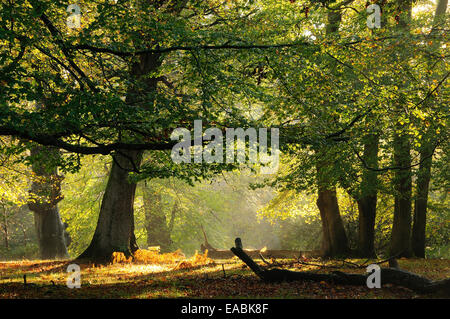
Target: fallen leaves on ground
x=143, y=256
x=169, y=277
x=196, y=260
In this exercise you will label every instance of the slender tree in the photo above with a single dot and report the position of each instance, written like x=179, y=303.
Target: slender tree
x=401, y=227
x=426, y=157
x=367, y=198
x=334, y=240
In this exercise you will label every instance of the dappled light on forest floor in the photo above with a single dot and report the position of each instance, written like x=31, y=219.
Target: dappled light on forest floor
x=154, y=257
x=224, y=279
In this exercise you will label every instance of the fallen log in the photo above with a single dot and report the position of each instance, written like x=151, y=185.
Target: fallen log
x=254, y=253
x=393, y=276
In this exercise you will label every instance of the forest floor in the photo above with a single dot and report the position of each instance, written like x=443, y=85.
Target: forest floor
x=222, y=279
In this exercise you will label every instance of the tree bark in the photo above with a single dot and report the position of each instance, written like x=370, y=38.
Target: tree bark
x=50, y=233
x=5, y=228
x=401, y=227
x=421, y=201
x=115, y=226
x=334, y=242
x=45, y=193
x=367, y=200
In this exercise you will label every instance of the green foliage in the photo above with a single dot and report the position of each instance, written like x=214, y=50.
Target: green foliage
x=232, y=64
x=80, y=207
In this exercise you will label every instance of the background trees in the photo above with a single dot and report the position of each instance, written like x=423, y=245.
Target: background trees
x=362, y=115
x=45, y=194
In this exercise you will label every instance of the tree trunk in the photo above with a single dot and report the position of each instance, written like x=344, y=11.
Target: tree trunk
x=158, y=233
x=367, y=200
x=334, y=242
x=424, y=173
x=366, y=226
x=44, y=197
x=421, y=202
x=5, y=228
x=115, y=226
x=401, y=227
x=50, y=233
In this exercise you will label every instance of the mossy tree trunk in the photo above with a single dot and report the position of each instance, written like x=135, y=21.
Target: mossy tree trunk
x=45, y=193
